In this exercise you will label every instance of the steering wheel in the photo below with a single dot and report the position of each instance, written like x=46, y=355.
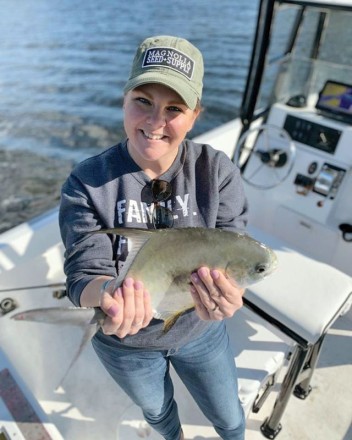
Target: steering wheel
x=265, y=155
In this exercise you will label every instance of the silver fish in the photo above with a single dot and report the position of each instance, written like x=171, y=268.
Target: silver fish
x=164, y=260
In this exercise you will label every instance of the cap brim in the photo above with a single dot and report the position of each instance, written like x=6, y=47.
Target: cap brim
x=180, y=86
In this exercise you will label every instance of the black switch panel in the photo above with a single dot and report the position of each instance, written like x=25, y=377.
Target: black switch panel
x=312, y=134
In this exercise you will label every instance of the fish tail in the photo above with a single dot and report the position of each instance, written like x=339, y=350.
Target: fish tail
x=87, y=336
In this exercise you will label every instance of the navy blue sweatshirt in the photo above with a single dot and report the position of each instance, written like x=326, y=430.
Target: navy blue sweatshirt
x=106, y=191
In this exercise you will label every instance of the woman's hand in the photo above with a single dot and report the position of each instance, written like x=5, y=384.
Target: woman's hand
x=215, y=296
x=128, y=309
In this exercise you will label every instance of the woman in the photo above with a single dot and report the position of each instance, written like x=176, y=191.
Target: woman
x=156, y=178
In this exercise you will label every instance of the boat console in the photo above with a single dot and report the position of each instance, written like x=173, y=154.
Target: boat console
x=297, y=169
x=311, y=209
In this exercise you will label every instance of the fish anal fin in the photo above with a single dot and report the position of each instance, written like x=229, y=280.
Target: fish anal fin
x=171, y=320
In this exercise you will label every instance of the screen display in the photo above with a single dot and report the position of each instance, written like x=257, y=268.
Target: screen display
x=335, y=99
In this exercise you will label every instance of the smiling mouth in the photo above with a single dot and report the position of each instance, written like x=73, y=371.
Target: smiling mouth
x=153, y=137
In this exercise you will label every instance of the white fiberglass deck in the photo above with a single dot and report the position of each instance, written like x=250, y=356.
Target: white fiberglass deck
x=90, y=405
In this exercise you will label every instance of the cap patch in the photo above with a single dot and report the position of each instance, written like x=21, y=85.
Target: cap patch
x=171, y=58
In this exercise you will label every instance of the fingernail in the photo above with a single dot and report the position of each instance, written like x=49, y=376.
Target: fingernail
x=215, y=274
x=118, y=292
x=128, y=282
x=113, y=311
x=203, y=272
x=195, y=277
x=138, y=285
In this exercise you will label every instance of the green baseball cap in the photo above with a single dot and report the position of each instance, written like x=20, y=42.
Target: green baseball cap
x=171, y=61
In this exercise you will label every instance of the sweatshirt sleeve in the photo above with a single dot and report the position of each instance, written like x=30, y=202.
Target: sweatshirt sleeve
x=233, y=205
x=87, y=255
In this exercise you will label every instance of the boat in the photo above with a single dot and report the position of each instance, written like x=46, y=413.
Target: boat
x=292, y=339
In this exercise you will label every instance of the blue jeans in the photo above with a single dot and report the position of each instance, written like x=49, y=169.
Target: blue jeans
x=205, y=365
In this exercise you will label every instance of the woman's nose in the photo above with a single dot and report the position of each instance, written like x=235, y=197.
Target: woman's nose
x=156, y=118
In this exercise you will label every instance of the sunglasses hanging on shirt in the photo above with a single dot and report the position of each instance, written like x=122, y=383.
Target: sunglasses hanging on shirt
x=162, y=217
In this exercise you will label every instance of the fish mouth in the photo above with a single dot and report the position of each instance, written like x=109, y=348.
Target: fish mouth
x=264, y=270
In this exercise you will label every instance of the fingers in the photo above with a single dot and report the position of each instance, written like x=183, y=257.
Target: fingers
x=215, y=296
x=201, y=309
x=148, y=311
x=205, y=294
x=112, y=305
x=129, y=309
x=132, y=299
x=228, y=288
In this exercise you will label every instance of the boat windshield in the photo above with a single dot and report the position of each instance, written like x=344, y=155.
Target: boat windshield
x=308, y=47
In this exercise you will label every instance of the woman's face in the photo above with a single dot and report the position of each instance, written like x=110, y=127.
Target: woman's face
x=156, y=122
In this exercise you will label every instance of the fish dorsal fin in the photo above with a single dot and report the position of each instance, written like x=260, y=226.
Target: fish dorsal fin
x=137, y=237
x=133, y=233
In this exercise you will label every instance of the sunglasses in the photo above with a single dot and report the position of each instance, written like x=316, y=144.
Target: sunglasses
x=162, y=217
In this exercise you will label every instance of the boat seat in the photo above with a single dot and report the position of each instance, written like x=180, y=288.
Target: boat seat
x=303, y=295
x=303, y=298
x=260, y=354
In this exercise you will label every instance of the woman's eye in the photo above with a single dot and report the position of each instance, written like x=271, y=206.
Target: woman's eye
x=143, y=100
x=174, y=109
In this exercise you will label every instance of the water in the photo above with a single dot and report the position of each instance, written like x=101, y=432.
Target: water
x=63, y=67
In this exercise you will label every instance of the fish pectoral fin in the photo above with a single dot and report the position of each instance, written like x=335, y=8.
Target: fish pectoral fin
x=180, y=280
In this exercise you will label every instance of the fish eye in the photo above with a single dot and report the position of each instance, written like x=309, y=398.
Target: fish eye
x=260, y=268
